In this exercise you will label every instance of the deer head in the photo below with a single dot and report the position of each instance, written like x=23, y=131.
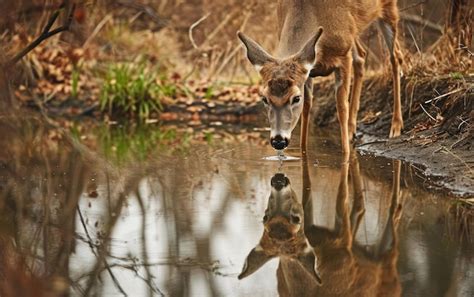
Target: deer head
x=283, y=85
x=283, y=234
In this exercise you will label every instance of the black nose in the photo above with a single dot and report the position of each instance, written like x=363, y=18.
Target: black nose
x=279, y=142
x=279, y=181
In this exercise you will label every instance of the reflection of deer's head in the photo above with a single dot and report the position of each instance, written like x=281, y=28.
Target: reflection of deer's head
x=283, y=234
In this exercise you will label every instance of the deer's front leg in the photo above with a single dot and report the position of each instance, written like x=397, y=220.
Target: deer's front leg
x=343, y=79
x=308, y=103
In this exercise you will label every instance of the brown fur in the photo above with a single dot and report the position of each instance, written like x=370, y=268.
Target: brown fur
x=280, y=77
x=346, y=268
x=339, y=50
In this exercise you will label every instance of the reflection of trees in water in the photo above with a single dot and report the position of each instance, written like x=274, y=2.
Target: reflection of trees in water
x=42, y=182
x=44, y=179
x=44, y=196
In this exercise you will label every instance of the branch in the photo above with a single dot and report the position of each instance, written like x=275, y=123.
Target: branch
x=415, y=19
x=194, y=25
x=146, y=9
x=44, y=35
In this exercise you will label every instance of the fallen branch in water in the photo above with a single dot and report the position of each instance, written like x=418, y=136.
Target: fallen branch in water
x=45, y=34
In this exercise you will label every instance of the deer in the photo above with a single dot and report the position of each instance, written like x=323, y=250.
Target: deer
x=318, y=261
x=304, y=52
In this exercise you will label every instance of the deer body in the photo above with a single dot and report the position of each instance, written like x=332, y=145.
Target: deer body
x=344, y=268
x=302, y=54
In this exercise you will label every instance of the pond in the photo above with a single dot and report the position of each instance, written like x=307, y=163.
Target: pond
x=191, y=222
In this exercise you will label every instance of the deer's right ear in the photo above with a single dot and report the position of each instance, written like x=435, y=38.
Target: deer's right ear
x=255, y=53
x=307, y=54
x=255, y=259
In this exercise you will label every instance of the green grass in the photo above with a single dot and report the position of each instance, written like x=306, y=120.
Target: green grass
x=132, y=90
x=456, y=75
x=137, y=142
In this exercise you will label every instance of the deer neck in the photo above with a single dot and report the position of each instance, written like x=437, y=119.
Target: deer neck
x=297, y=23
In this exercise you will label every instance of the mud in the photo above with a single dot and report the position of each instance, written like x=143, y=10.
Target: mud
x=438, y=138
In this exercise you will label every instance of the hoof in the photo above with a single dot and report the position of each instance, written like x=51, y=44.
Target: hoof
x=396, y=129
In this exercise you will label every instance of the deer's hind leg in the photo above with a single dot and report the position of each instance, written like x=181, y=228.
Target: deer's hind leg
x=388, y=25
x=358, y=63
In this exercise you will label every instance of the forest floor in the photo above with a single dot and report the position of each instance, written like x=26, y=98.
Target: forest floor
x=99, y=80
x=438, y=133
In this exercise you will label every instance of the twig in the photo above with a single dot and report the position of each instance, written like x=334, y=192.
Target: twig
x=84, y=226
x=218, y=28
x=413, y=5
x=44, y=35
x=97, y=29
x=227, y=59
x=443, y=95
x=411, y=18
x=471, y=171
x=371, y=142
x=431, y=117
x=146, y=9
x=194, y=25
x=414, y=40
x=91, y=245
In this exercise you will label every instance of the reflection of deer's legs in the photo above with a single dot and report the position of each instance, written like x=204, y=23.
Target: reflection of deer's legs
x=388, y=249
x=307, y=201
x=358, y=206
x=308, y=102
x=342, y=214
x=389, y=238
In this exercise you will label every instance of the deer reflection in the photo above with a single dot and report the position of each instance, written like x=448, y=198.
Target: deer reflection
x=283, y=234
x=344, y=267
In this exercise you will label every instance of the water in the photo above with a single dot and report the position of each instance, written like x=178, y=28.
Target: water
x=281, y=157
x=182, y=223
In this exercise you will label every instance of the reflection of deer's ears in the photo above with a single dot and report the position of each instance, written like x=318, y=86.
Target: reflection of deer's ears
x=308, y=261
x=255, y=259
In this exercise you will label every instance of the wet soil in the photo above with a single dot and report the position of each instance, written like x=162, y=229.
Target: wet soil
x=438, y=136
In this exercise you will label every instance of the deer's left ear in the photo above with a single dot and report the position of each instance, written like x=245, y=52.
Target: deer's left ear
x=255, y=259
x=255, y=53
x=307, y=55
x=308, y=260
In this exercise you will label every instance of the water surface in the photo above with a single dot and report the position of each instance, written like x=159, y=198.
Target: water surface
x=182, y=223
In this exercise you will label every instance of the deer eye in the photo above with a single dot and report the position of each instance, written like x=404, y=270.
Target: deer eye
x=296, y=99
x=265, y=218
x=265, y=100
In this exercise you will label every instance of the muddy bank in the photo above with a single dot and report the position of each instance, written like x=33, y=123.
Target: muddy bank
x=438, y=132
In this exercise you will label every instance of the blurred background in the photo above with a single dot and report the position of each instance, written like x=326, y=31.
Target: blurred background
x=131, y=133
